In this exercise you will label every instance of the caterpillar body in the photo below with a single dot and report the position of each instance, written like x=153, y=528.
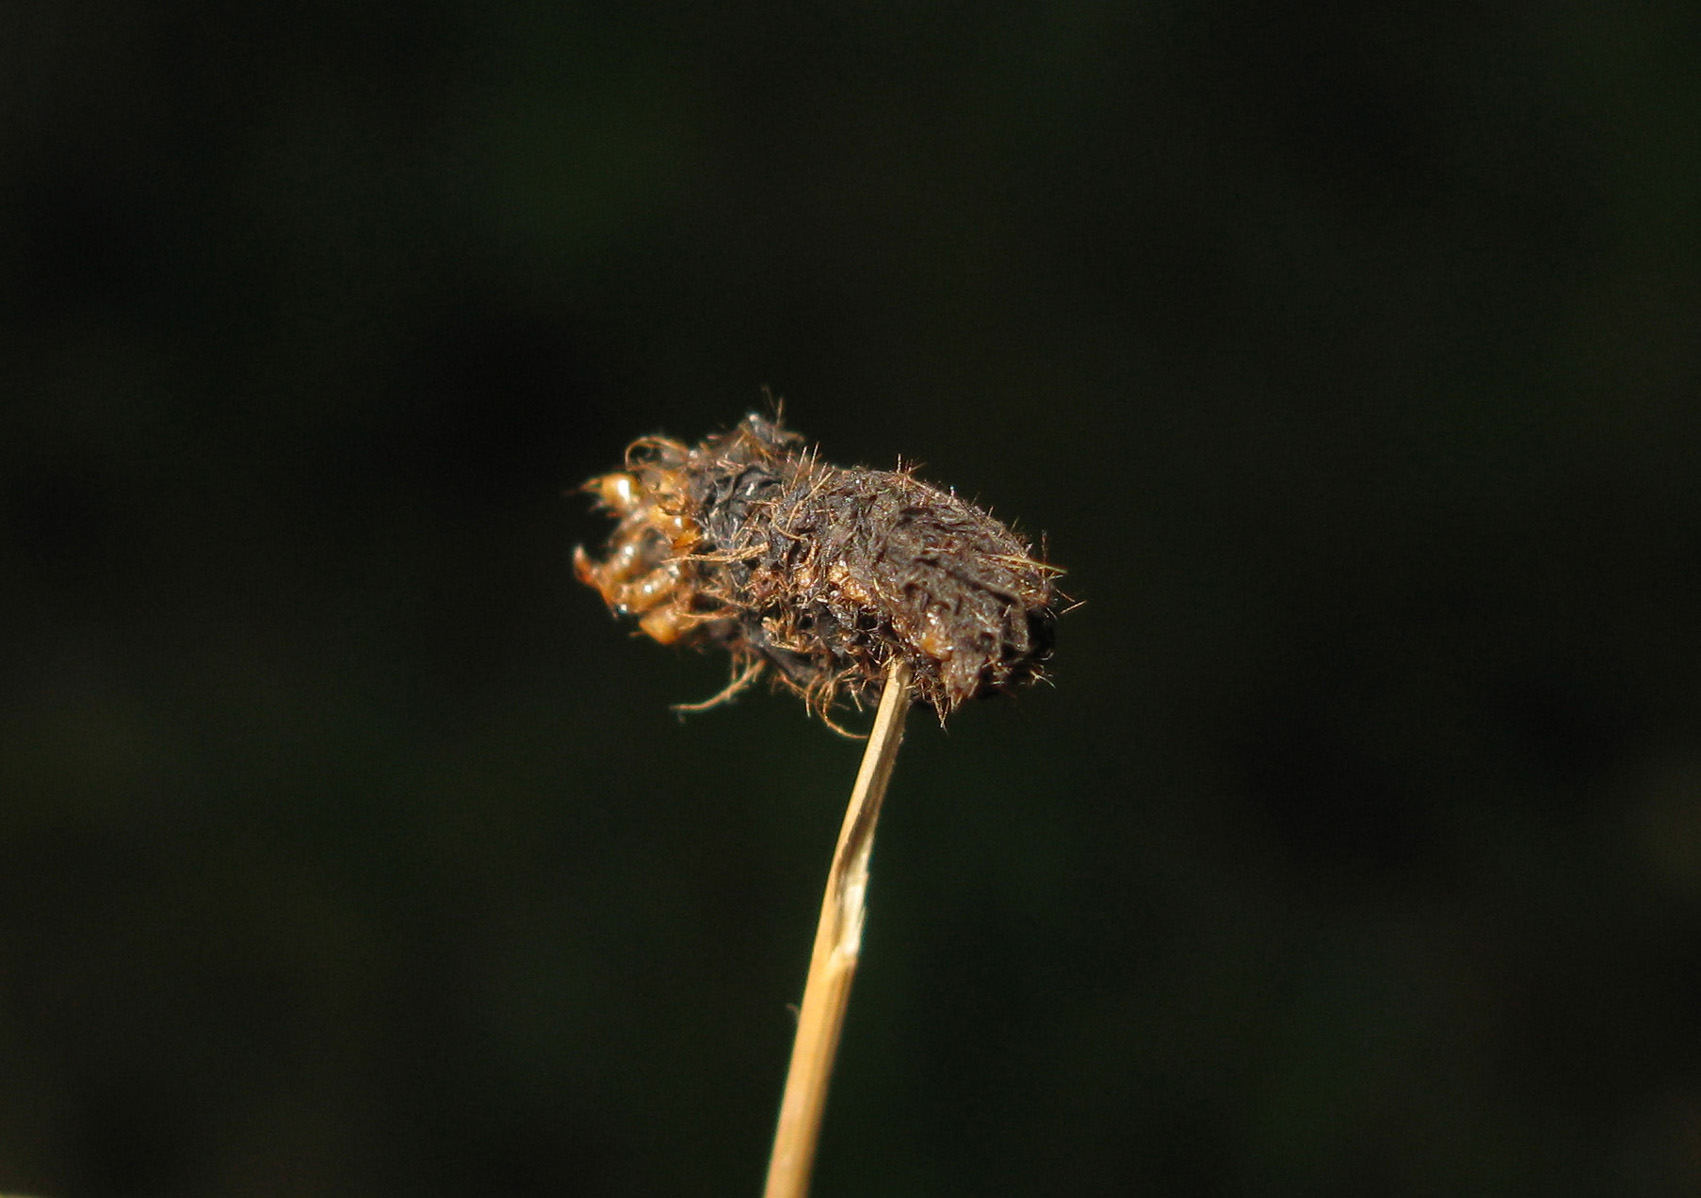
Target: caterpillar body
x=819, y=574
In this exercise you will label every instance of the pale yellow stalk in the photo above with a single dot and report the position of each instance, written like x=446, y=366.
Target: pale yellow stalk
x=838, y=946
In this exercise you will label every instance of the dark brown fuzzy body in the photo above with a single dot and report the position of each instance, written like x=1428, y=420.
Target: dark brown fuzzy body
x=822, y=573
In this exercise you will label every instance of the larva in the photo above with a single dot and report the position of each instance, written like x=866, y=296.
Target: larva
x=818, y=573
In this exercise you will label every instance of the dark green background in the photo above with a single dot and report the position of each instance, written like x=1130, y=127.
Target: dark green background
x=1349, y=362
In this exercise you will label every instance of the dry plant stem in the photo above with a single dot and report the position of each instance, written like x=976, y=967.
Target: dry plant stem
x=838, y=945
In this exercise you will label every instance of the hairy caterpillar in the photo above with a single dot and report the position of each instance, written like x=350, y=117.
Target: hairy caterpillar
x=820, y=573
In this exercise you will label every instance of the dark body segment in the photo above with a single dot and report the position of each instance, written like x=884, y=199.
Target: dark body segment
x=822, y=573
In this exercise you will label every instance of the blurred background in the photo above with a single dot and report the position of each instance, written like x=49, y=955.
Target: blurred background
x=1348, y=361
